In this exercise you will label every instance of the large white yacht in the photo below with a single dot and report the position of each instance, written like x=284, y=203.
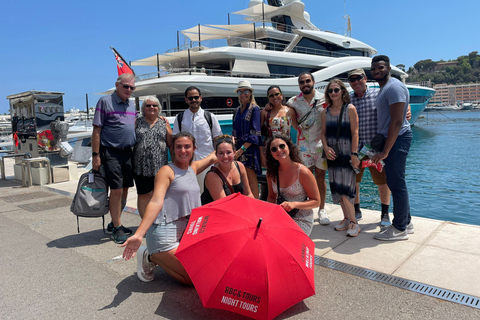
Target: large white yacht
x=278, y=42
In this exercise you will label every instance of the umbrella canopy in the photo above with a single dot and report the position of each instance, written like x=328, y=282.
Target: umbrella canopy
x=247, y=256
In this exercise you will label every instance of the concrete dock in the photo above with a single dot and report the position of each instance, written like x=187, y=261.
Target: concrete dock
x=49, y=271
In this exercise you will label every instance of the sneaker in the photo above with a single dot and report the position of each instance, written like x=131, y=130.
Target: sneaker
x=358, y=215
x=385, y=220
x=353, y=229
x=110, y=228
x=342, y=225
x=323, y=217
x=144, y=267
x=410, y=229
x=118, y=235
x=391, y=234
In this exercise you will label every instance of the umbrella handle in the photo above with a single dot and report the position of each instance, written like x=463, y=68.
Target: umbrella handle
x=258, y=228
x=259, y=223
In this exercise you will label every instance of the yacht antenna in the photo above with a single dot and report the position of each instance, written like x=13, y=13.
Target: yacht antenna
x=348, y=25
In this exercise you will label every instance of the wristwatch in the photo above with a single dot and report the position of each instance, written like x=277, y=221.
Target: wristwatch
x=354, y=154
x=94, y=154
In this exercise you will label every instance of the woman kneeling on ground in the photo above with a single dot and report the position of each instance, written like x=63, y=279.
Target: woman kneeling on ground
x=297, y=184
x=226, y=176
x=175, y=195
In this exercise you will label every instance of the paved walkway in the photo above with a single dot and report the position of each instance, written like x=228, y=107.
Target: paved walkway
x=49, y=271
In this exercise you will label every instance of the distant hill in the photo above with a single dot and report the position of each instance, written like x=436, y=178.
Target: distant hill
x=466, y=69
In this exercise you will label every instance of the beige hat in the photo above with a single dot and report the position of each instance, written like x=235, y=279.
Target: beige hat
x=357, y=72
x=244, y=84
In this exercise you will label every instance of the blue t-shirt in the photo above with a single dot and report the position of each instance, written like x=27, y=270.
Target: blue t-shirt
x=117, y=120
x=393, y=92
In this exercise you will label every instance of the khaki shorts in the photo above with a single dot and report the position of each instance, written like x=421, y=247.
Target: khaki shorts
x=378, y=178
x=313, y=159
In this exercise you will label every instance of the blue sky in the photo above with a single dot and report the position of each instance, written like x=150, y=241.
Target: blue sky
x=64, y=45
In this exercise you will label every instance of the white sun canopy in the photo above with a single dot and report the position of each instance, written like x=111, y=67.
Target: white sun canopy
x=209, y=32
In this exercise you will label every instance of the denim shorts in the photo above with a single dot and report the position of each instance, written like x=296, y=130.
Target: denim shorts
x=165, y=236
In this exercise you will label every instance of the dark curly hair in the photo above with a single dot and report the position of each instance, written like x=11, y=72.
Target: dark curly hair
x=272, y=163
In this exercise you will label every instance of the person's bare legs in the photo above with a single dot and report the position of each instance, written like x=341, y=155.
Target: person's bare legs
x=322, y=185
x=322, y=188
x=252, y=182
x=142, y=201
x=172, y=266
x=384, y=194
x=115, y=206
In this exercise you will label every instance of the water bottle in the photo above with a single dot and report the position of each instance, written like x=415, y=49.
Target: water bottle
x=116, y=259
x=364, y=151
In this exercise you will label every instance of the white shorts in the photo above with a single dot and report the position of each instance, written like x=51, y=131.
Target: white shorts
x=313, y=159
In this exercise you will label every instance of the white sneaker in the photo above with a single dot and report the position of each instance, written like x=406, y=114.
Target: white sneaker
x=323, y=217
x=144, y=267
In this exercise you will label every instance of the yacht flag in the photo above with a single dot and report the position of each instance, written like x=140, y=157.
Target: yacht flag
x=122, y=65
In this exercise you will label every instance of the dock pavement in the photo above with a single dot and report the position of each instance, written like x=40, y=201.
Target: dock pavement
x=49, y=271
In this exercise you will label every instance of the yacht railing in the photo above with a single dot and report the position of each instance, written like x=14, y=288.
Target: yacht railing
x=203, y=71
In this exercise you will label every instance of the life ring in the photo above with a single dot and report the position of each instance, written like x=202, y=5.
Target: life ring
x=229, y=102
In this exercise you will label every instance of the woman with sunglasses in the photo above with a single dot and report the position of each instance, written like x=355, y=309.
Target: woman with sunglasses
x=154, y=136
x=340, y=143
x=278, y=118
x=297, y=184
x=175, y=195
x=227, y=176
x=247, y=132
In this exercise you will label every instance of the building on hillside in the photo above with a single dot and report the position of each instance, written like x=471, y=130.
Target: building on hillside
x=451, y=94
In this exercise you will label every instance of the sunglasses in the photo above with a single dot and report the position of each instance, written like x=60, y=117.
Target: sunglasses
x=353, y=79
x=239, y=92
x=151, y=105
x=336, y=90
x=193, y=98
x=274, y=95
x=305, y=81
x=222, y=140
x=126, y=86
x=280, y=147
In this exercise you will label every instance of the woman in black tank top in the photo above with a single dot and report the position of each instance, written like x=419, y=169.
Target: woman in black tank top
x=226, y=176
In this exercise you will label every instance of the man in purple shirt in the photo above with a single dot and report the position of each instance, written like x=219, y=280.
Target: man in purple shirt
x=113, y=138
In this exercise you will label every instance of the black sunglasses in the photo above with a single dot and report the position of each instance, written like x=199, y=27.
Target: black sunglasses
x=222, y=140
x=336, y=90
x=353, y=79
x=276, y=94
x=193, y=97
x=151, y=105
x=280, y=147
x=305, y=81
x=126, y=86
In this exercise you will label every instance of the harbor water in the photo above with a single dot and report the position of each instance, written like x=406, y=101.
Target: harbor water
x=443, y=168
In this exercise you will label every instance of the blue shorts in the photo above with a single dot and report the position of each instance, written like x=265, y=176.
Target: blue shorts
x=165, y=236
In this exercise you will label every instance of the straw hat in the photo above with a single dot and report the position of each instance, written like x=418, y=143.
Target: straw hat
x=244, y=84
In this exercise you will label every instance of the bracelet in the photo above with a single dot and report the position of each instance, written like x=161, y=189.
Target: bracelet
x=243, y=148
x=94, y=154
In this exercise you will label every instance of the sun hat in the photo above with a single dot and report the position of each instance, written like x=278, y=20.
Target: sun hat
x=244, y=84
x=356, y=72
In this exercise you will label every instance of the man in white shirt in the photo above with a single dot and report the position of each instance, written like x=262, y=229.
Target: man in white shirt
x=202, y=124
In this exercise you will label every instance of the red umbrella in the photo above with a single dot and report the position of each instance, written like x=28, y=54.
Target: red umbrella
x=247, y=256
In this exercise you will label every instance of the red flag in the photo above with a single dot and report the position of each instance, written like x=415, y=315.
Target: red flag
x=122, y=65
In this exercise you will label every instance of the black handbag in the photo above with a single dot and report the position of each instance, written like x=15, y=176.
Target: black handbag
x=281, y=199
x=378, y=142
